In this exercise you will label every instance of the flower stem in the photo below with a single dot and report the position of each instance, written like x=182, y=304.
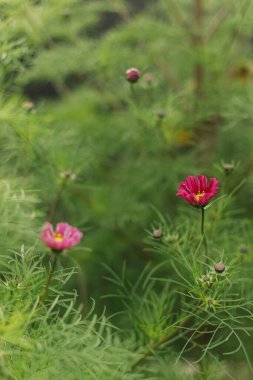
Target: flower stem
x=45, y=294
x=203, y=230
x=56, y=201
x=202, y=370
x=198, y=41
x=132, y=89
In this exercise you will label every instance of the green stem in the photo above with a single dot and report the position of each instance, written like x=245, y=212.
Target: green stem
x=202, y=370
x=54, y=205
x=197, y=44
x=160, y=343
x=50, y=275
x=203, y=230
x=132, y=89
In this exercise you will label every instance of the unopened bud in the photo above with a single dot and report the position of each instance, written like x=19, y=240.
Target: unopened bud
x=28, y=106
x=219, y=267
x=157, y=234
x=244, y=249
x=171, y=238
x=133, y=75
x=228, y=167
x=68, y=174
x=161, y=114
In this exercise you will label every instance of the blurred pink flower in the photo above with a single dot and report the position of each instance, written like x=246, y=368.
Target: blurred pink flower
x=196, y=190
x=133, y=75
x=65, y=236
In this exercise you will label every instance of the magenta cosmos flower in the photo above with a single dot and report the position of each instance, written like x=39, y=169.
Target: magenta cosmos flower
x=197, y=191
x=65, y=236
x=133, y=75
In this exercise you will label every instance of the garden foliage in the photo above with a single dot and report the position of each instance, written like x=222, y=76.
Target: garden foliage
x=152, y=291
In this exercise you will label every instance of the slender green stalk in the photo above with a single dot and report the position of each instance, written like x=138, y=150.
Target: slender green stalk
x=198, y=41
x=132, y=89
x=203, y=230
x=160, y=343
x=55, y=204
x=50, y=275
x=203, y=370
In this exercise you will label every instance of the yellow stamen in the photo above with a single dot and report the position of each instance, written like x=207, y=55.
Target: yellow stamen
x=58, y=237
x=199, y=195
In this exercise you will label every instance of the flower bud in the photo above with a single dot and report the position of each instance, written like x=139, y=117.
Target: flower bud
x=228, y=167
x=171, y=238
x=68, y=174
x=133, y=75
x=28, y=106
x=219, y=267
x=157, y=234
x=207, y=280
x=244, y=249
x=161, y=114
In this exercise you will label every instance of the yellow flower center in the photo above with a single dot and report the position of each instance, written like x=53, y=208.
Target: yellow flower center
x=199, y=195
x=58, y=237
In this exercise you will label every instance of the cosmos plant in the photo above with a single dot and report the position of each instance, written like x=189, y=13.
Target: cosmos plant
x=198, y=192
x=64, y=237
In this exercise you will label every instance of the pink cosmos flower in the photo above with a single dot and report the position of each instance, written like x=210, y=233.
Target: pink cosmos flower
x=133, y=75
x=65, y=236
x=196, y=190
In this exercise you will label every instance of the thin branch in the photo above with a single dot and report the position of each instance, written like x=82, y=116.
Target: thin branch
x=198, y=42
x=178, y=16
x=50, y=275
x=160, y=343
x=52, y=210
x=216, y=23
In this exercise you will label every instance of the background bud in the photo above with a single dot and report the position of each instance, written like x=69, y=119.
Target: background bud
x=219, y=267
x=161, y=114
x=28, y=106
x=133, y=75
x=228, y=167
x=157, y=234
x=68, y=174
x=244, y=249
